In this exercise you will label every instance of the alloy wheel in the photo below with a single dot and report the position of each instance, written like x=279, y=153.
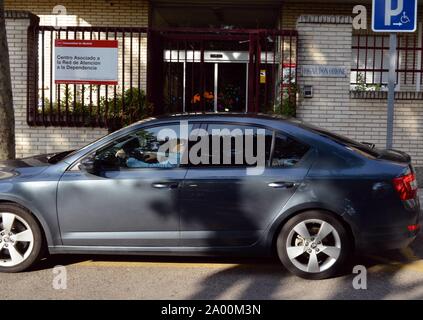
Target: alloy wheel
x=16, y=240
x=313, y=245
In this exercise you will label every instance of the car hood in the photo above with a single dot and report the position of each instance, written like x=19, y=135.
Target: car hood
x=36, y=161
x=25, y=167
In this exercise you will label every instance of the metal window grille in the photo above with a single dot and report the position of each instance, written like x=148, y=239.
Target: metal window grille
x=51, y=104
x=370, y=66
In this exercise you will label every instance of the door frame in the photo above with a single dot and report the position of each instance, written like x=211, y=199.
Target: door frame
x=157, y=38
x=213, y=57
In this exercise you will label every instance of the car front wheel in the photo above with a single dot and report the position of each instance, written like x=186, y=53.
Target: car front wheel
x=20, y=239
x=313, y=245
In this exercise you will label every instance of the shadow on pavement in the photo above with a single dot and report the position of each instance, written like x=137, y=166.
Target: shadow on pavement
x=266, y=278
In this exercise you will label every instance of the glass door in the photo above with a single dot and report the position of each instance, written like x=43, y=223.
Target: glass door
x=218, y=82
x=232, y=87
x=198, y=96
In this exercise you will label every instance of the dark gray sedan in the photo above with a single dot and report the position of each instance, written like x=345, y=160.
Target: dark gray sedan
x=211, y=185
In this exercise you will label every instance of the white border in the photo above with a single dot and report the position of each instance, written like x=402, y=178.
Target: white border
x=396, y=31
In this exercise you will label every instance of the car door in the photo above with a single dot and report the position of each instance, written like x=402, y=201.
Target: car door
x=130, y=199
x=224, y=205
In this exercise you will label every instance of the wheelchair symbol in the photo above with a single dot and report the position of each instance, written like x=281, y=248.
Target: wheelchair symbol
x=404, y=18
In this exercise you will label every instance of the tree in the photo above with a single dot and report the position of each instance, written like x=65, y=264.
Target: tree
x=7, y=118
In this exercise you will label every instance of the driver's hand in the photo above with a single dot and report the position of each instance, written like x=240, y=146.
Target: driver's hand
x=150, y=156
x=121, y=154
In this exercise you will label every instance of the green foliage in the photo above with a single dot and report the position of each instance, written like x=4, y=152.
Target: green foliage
x=128, y=107
x=363, y=86
x=288, y=107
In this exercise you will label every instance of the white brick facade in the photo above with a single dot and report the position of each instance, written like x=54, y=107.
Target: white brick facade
x=123, y=13
x=36, y=140
x=332, y=107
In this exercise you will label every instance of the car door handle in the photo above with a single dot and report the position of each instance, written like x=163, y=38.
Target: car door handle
x=281, y=185
x=165, y=185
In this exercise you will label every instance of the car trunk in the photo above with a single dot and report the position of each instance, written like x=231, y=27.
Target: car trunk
x=395, y=156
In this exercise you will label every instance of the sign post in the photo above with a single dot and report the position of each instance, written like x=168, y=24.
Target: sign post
x=393, y=16
x=391, y=89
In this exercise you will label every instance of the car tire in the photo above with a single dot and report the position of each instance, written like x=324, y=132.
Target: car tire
x=314, y=245
x=21, y=239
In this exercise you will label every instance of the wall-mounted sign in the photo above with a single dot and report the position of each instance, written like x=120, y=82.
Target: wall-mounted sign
x=323, y=71
x=86, y=62
x=262, y=76
x=394, y=16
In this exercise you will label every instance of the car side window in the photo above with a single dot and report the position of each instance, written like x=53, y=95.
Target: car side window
x=234, y=145
x=287, y=152
x=146, y=148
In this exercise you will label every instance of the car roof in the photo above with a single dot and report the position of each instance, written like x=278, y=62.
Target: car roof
x=257, y=118
x=207, y=116
x=302, y=131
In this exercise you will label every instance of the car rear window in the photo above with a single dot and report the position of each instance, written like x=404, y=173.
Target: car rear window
x=355, y=146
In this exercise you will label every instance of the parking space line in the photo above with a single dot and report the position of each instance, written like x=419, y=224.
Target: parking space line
x=142, y=264
x=187, y=265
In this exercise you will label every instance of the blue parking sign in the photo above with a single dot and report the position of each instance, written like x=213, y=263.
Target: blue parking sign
x=394, y=15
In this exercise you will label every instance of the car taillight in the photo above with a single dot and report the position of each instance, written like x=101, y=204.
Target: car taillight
x=406, y=186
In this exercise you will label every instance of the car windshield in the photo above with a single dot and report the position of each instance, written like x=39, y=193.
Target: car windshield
x=59, y=156
x=67, y=154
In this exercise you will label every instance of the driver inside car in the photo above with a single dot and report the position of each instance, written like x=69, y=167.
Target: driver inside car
x=142, y=159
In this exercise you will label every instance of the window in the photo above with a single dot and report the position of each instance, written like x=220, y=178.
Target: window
x=232, y=145
x=361, y=148
x=156, y=147
x=287, y=152
x=370, y=64
x=245, y=146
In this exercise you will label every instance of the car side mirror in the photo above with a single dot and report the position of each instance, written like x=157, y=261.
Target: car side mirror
x=88, y=165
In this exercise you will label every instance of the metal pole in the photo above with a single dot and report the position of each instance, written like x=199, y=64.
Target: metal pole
x=184, y=84
x=216, y=84
x=391, y=89
x=246, y=87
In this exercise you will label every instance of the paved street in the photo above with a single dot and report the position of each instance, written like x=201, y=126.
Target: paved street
x=391, y=275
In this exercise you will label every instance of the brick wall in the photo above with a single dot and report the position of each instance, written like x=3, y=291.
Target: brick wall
x=30, y=140
x=292, y=11
x=122, y=13
x=333, y=108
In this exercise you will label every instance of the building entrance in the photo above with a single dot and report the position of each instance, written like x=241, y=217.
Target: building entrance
x=210, y=70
